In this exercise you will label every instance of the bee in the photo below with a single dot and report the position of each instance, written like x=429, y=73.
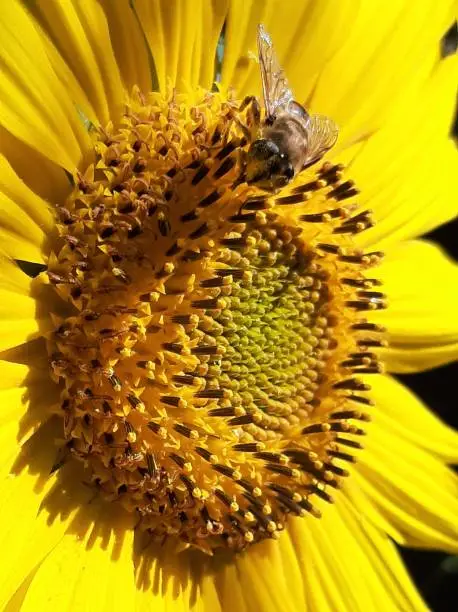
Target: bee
x=289, y=139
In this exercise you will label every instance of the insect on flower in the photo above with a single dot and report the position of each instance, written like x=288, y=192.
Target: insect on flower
x=289, y=139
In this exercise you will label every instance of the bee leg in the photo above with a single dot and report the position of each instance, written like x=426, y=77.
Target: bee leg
x=254, y=110
x=245, y=129
x=245, y=102
x=242, y=155
x=254, y=114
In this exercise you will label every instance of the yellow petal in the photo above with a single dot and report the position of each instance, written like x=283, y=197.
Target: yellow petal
x=400, y=470
x=80, y=32
x=414, y=423
x=15, y=603
x=41, y=175
x=167, y=580
x=264, y=583
x=421, y=283
x=19, y=319
x=75, y=90
x=231, y=594
x=27, y=397
x=32, y=354
x=34, y=104
x=93, y=571
x=207, y=597
x=14, y=406
x=406, y=170
x=129, y=44
x=12, y=278
x=388, y=53
x=12, y=187
x=13, y=375
x=27, y=400
x=39, y=508
x=24, y=483
x=306, y=35
x=349, y=61
x=182, y=37
x=349, y=564
x=25, y=219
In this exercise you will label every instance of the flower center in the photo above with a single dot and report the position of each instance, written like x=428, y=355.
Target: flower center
x=208, y=367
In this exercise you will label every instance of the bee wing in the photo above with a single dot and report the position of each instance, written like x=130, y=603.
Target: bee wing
x=276, y=91
x=322, y=134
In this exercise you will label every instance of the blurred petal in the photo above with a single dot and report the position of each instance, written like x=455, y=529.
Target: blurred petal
x=230, y=591
x=421, y=283
x=306, y=35
x=177, y=581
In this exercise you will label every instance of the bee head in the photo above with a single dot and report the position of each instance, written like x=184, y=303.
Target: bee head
x=267, y=166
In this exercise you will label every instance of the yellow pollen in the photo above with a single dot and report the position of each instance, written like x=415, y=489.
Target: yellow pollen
x=211, y=361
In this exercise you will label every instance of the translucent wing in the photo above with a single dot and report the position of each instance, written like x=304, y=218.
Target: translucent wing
x=277, y=93
x=322, y=134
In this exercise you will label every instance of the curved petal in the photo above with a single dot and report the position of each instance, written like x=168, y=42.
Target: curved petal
x=409, y=419
x=421, y=283
x=387, y=57
x=79, y=30
x=349, y=61
x=182, y=37
x=25, y=218
x=406, y=171
x=300, y=31
x=402, y=474
x=34, y=104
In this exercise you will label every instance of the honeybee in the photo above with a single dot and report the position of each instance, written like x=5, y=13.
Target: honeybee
x=289, y=139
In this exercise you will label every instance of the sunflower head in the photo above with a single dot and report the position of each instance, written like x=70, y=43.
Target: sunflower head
x=209, y=360
x=189, y=370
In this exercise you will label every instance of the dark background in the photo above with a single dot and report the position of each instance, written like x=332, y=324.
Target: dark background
x=436, y=574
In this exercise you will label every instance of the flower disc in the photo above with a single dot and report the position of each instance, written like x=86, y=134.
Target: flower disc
x=214, y=332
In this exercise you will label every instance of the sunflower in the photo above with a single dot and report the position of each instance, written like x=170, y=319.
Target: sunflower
x=189, y=363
